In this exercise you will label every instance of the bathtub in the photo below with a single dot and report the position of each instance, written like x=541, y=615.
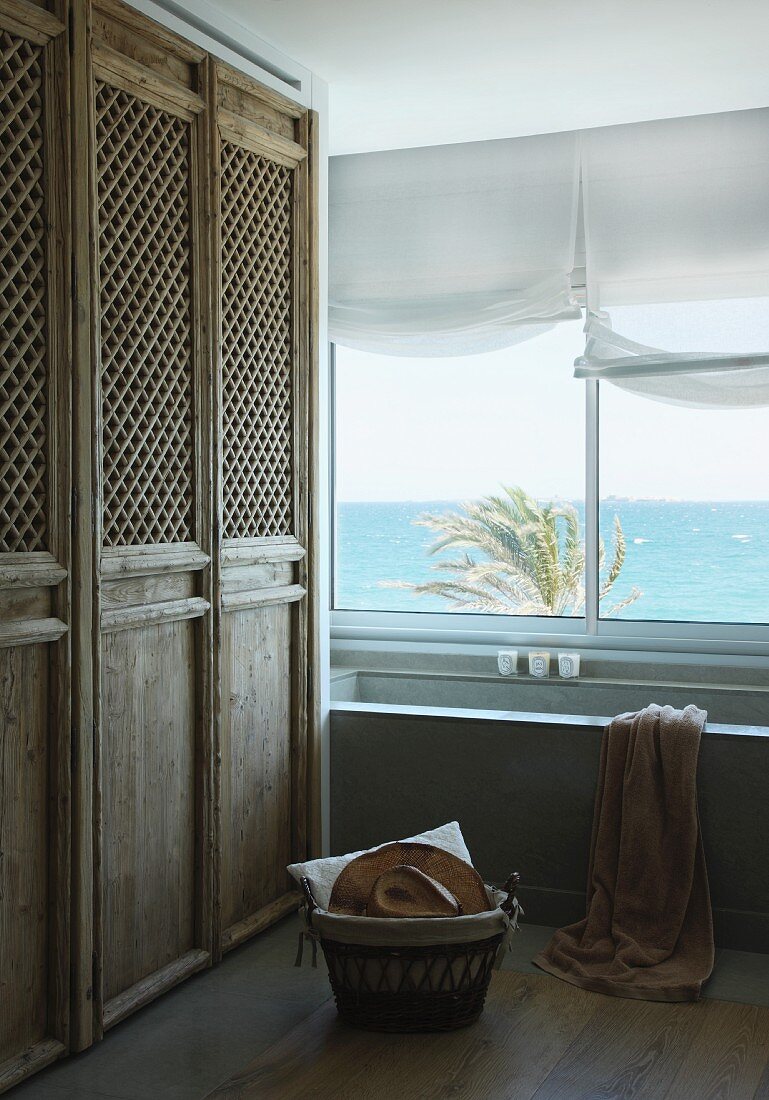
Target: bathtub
x=515, y=761
x=728, y=704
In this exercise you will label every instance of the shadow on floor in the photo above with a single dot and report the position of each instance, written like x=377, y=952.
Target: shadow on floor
x=207, y=1029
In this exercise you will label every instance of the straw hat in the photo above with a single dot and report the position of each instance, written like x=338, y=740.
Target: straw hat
x=406, y=892
x=408, y=879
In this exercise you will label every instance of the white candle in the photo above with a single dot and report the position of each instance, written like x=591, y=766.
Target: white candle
x=539, y=664
x=507, y=662
x=568, y=665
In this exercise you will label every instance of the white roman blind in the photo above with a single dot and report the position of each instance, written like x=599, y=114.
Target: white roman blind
x=452, y=249
x=677, y=252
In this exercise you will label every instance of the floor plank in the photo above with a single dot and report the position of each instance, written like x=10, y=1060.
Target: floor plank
x=538, y=1037
x=762, y=1092
x=730, y=1057
x=532, y=1027
x=533, y=1024
x=627, y=1049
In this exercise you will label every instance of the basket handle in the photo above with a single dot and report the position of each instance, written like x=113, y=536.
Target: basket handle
x=308, y=932
x=310, y=901
x=510, y=904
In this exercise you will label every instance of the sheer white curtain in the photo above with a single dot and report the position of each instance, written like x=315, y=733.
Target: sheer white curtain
x=677, y=253
x=453, y=249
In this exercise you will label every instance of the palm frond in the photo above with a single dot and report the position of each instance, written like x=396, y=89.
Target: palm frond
x=519, y=556
x=620, y=549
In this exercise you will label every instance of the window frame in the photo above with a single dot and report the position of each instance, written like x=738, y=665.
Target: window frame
x=473, y=633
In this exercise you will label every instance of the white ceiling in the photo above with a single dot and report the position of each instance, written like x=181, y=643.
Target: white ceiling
x=422, y=72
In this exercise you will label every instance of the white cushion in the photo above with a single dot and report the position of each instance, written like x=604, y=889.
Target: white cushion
x=323, y=873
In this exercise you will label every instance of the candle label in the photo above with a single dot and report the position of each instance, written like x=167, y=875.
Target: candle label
x=539, y=665
x=568, y=665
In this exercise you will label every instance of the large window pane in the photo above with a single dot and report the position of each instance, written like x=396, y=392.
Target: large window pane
x=690, y=486
x=433, y=438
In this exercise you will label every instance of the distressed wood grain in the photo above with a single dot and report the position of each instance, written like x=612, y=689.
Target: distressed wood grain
x=24, y=819
x=148, y=785
x=256, y=760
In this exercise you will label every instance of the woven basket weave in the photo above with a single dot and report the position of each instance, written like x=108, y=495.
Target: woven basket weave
x=430, y=987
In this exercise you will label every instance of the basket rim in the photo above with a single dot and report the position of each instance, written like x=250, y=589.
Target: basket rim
x=501, y=916
x=410, y=931
x=414, y=950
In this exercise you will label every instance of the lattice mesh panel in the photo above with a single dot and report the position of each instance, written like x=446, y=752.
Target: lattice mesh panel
x=256, y=344
x=22, y=299
x=147, y=376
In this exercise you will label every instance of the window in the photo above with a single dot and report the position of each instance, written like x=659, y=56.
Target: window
x=681, y=494
x=417, y=440
x=691, y=488
x=690, y=485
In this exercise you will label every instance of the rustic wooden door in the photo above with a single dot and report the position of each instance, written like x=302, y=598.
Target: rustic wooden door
x=34, y=538
x=155, y=387
x=151, y=856
x=260, y=304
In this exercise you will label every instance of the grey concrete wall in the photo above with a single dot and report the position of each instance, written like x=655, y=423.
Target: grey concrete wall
x=523, y=794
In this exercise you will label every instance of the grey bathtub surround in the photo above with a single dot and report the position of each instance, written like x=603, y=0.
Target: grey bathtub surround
x=523, y=785
x=726, y=703
x=344, y=686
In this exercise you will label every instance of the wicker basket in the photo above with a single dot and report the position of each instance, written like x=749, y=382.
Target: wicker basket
x=432, y=987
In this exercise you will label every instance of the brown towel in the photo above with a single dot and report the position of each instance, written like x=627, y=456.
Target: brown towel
x=648, y=932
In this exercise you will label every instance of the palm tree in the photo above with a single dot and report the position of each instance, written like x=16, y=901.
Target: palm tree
x=529, y=558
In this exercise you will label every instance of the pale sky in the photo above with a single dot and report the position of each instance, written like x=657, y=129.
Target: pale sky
x=454, y=429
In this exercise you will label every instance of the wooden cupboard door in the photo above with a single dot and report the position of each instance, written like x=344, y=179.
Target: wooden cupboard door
x=153, y=760
x=34, y=540
x=259, y=148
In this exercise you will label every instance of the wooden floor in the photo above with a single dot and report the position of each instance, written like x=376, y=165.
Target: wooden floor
x=538, y=1037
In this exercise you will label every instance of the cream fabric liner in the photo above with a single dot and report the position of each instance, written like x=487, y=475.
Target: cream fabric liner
x=413, y=932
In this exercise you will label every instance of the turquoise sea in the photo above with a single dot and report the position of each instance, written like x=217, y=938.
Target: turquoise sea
x=702, y=561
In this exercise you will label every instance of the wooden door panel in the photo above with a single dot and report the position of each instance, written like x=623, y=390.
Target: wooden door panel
x=147, y=375
x=148, y=755
x=24, y=820
x=152, y=865
x=24, y=515
x=260, y=228
x=34, y=540
x=256, y=836
x=257, y=305
x=149, y=800
x=188, y=481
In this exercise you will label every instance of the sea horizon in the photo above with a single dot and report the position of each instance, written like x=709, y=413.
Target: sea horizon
x=693, y=560
x=567, y=500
